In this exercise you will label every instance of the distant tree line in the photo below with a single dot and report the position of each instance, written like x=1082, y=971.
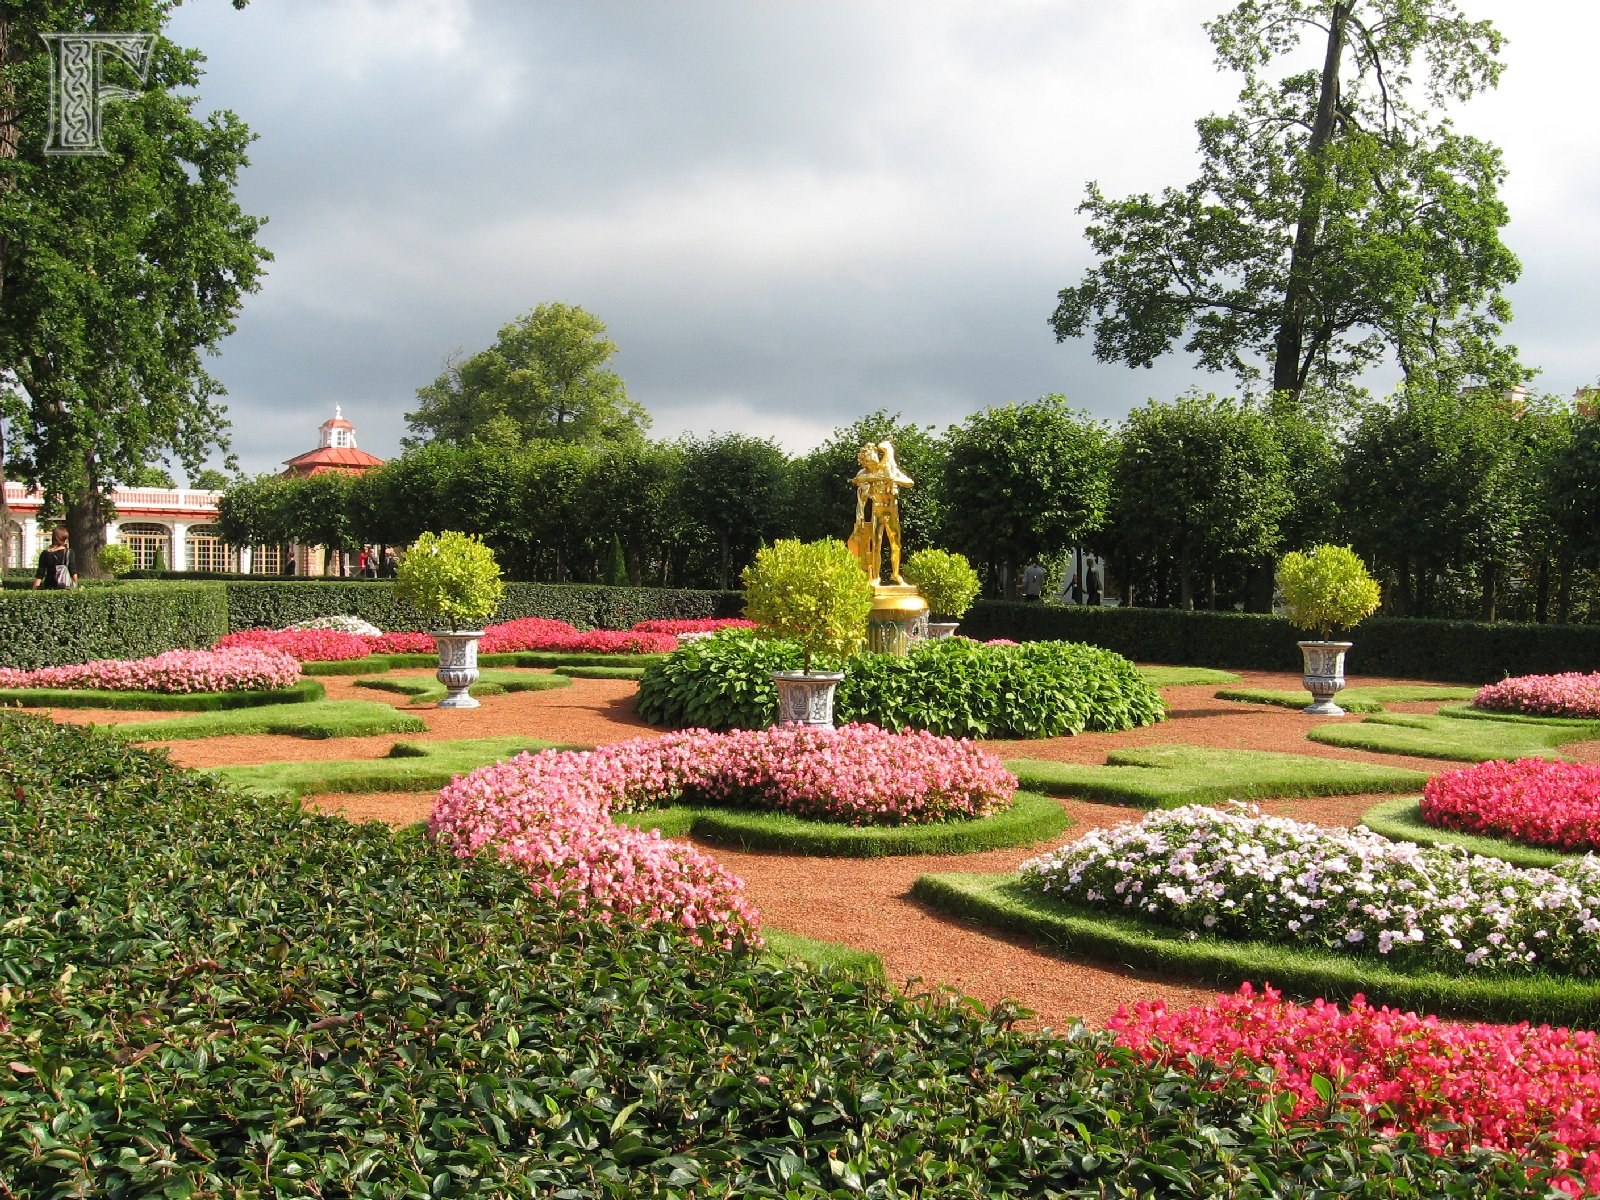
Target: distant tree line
x=1469, y=506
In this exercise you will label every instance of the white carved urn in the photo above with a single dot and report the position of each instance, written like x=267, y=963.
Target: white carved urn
x=1324, y=675
x=458, y=665
x=806, y=698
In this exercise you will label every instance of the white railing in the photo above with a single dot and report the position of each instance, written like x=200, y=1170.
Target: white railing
x=131, y=501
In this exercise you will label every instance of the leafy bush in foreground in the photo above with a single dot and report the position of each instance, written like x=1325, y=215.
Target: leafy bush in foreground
x=953, y=687
x=216, y=997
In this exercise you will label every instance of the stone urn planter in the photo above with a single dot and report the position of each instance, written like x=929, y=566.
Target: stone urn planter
x=1324, y=675
x=806, y=697
x=942, y=629
x=458, y=665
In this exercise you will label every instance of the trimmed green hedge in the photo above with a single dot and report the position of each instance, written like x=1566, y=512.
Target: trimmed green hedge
x=272, y=604
x=135, y=620
x=1453, y=651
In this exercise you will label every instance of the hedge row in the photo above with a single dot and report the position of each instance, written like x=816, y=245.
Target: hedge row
x=135, y=619
x=1446, y=651
x=47, y=628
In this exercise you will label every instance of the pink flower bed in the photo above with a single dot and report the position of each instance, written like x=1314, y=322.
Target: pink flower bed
x=693, y=625
x=1517, y=1088
x=307, y=645
x=236, y=669
x=1568, y=695
x=525, y=633
x=551, y=811
x=1532, y=800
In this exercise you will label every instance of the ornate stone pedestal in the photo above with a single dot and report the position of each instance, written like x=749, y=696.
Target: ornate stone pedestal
x=806, y=699
x=458, y=666
x=1324, y=675
x=897, y=610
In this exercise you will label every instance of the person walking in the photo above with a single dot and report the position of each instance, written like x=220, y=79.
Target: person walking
x=1092, y=581
x=55, y=568
x=1033, y=581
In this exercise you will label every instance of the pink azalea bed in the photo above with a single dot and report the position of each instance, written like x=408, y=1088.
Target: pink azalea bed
x=552, y=812
x=509, y=637
x=229, y=669
x=1568, y=695
x=1520, y=1088
x=1533, y=800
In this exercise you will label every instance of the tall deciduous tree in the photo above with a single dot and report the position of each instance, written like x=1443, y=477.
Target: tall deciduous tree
x=1336, y=220
x=737, y=489
x=546, y=377
x=117, y=271
x=1024, y=481
x=1201, y=486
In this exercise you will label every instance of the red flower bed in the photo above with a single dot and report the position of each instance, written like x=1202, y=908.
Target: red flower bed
x=525, y=633
x=1569, y=695
x=1518, y=1088
x=693, y=625
x=307, y=645
x=1532, y=800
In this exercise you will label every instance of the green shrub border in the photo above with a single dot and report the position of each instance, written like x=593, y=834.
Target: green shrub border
x=305, y=692
x=111, y=621
x=1401, y=820
x=1001, y=901
x=1471, y=652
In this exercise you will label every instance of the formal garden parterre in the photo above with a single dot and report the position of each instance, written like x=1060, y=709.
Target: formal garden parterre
x=599, y=884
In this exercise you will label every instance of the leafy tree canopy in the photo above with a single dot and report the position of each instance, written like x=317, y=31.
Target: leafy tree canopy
x=546, y=377
x=117, y=271
x=1336, y=219
x=825, y=499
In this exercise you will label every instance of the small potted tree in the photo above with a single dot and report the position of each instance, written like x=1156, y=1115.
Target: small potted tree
x=453, y=580
x=947, y=582
x=1325, y=589
x=814, y=593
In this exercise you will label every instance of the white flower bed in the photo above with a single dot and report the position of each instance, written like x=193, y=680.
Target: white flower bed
x=341, y=624
x=1240, y=875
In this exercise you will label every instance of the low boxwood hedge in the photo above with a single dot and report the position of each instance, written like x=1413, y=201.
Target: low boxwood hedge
x=211, y=996
x=953, y=687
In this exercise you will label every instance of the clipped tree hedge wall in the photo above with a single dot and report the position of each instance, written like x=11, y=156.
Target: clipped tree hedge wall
x=1447, y=651
x=50, y=628
x=276, y=603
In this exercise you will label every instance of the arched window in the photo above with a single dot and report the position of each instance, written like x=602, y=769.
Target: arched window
x=204, y=550
x=148, y=543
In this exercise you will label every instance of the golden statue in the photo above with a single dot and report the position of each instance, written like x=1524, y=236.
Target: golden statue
x=878, y=485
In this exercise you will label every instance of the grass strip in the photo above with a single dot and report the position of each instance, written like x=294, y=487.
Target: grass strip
x=1031, y=818
x=424, y=689
x=1184, y=676
x=1001, y=902
x=552, y=658
x=317, y=719
x=409, y=767
x=786, y=949
x=1401, y=820
x=1356, y=699
x=1452, y=738
x=304, y=692
x=1169, y=776
x=1587, y=727
x=371, y=665
x=601, y=672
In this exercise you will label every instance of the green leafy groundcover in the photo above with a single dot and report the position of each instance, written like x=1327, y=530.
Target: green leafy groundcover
x=211, y=996
x=952, y=686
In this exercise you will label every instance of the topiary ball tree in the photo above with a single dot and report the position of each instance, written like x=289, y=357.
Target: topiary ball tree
x=1326, y=589
x=451, y=578
x=946, y=580
x=812, y=592
x=115, y=559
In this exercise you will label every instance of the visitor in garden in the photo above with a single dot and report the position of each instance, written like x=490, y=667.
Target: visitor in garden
x=386, y=571
x=55, y=564
x=1033, y=581
x=1092, y=581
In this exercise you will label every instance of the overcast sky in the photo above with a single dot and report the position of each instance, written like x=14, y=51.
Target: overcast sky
x=788, y=212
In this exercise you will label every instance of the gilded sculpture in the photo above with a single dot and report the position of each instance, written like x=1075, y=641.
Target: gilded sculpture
x=878, y=485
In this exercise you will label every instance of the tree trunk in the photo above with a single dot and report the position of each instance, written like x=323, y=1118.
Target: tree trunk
x=1185, y=584
x=1541, y=591
x=1490, y=574
x=1289, y=366
x=86, y=527
x=10, y=131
